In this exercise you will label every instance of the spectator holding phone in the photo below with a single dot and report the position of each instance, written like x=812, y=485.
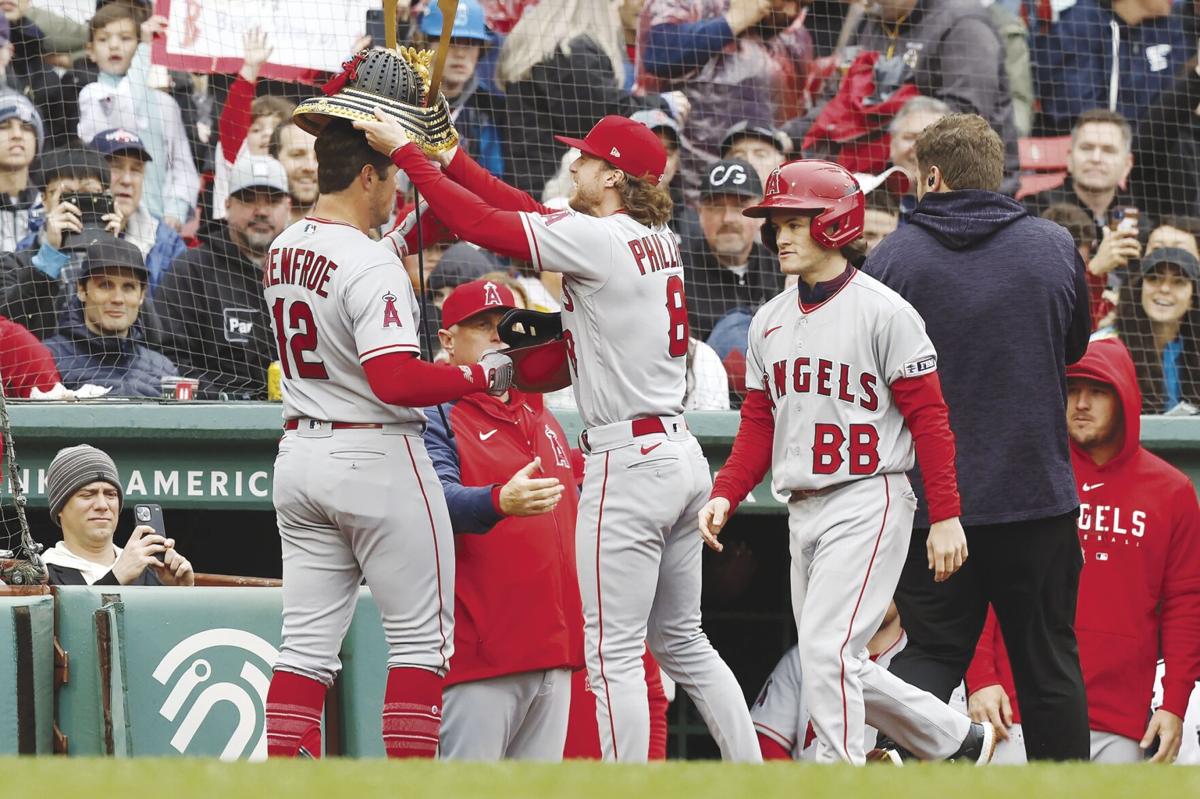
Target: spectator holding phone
x=37, y=279
x=84, y=490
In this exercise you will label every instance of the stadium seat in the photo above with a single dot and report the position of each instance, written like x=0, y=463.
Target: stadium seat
x=1043, y=163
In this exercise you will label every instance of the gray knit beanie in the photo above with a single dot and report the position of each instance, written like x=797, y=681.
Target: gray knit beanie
x=75, y=467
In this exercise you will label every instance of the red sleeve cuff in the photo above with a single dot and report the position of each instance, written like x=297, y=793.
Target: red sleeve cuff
x=1176, y=694
x=496, y=489
x=750, y=457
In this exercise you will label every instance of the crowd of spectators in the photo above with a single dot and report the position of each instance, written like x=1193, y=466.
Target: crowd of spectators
x=199, y=171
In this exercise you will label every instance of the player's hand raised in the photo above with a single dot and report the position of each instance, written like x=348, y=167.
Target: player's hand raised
x=947, y=548
x=385, y=133
x=527, y=495
x=712, y=519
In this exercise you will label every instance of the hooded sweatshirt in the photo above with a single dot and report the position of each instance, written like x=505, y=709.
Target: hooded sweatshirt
x=1139, y=526
x=1005, y=303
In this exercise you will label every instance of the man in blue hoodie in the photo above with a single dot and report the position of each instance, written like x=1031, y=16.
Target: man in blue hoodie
x=100, y=337
x=1004, y=299
x=1076, y=69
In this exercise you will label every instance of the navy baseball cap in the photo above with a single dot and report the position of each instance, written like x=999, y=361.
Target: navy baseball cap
x=120, y=141
x=731, y=176
x=103, y=249
x=1174, y=256
x=746, y=129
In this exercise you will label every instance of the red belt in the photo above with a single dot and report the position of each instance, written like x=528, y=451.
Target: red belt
x=294, y=424
x=647, y=426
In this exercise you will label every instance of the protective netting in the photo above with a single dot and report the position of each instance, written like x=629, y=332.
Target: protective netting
x=170, y=125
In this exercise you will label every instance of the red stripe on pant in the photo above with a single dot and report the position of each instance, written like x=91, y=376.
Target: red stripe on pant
x=887, y=504
x=612, y=727
x=437, y=558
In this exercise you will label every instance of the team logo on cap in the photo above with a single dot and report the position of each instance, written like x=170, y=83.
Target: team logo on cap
x=722, y=174
x=615, y=153
x=490, y=295
x=122, y=135
x=390, y=315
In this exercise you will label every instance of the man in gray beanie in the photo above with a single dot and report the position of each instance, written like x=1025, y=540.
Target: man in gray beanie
x=84, y=490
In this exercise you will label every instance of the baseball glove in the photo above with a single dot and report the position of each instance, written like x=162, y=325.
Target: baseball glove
x=537, y=349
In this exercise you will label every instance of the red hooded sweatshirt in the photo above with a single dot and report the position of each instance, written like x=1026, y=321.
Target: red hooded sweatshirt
x=1139, y=526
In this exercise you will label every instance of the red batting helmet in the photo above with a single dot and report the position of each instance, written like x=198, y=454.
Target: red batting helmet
x=819, y=186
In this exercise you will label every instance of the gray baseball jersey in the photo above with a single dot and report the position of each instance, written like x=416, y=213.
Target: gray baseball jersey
x=623, y=310
x=637, y=552
x=828, y=382
x=337, y=299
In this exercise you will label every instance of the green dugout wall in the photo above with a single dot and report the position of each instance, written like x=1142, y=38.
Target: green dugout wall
x=219, y=456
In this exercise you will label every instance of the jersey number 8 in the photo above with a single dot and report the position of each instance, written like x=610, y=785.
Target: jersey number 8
x=677, y=333
x=295, y=338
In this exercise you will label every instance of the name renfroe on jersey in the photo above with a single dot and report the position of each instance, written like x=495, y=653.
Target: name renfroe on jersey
x=337, y=299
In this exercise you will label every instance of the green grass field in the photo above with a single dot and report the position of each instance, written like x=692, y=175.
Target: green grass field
x=185, y=779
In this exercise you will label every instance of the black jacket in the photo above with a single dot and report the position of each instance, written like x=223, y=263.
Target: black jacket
x=1005, y=302
x=1166, y=148
x=65, y=575
x=217, y=328
x=563, y=96
x=713, y=290
x=1038, y=203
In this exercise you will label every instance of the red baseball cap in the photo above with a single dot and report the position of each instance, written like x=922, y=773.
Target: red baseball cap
x=626, y=144
x=475, y=297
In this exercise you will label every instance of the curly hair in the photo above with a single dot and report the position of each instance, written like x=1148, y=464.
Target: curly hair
x=645, y=202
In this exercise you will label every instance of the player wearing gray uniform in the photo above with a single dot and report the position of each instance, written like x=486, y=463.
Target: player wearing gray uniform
x=838, y=370
x=625, y=322
x=779, y=713
x=355, y=493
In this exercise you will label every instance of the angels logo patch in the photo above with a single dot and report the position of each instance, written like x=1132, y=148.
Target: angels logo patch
x=390, y=315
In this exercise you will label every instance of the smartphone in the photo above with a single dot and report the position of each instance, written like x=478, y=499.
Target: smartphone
x=93, y=206
x=151, y=516
x=375, y=27
x=1124, y=218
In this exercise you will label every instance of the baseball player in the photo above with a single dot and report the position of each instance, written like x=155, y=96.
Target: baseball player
x=355, y=493
x=781, y=719
x=625, y=325
x=840, y=380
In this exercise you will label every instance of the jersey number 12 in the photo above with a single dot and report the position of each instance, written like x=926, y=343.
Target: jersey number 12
x=296, y=334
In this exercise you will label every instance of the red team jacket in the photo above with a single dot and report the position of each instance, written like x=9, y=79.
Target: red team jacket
x=516, y=595
x=1139, y=526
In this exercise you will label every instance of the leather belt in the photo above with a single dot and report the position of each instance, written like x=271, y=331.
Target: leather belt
x=294, y=424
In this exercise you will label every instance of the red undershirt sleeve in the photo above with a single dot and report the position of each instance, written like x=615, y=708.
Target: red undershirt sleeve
x=751, y=455
x=462, y=211
x=983, y=672
x=466, y=172
x=236, y=118
x=920, y=402
x=401, y=378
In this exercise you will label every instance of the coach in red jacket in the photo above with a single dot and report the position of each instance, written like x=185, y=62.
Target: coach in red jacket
x=1139, y=526
x=506, y=471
